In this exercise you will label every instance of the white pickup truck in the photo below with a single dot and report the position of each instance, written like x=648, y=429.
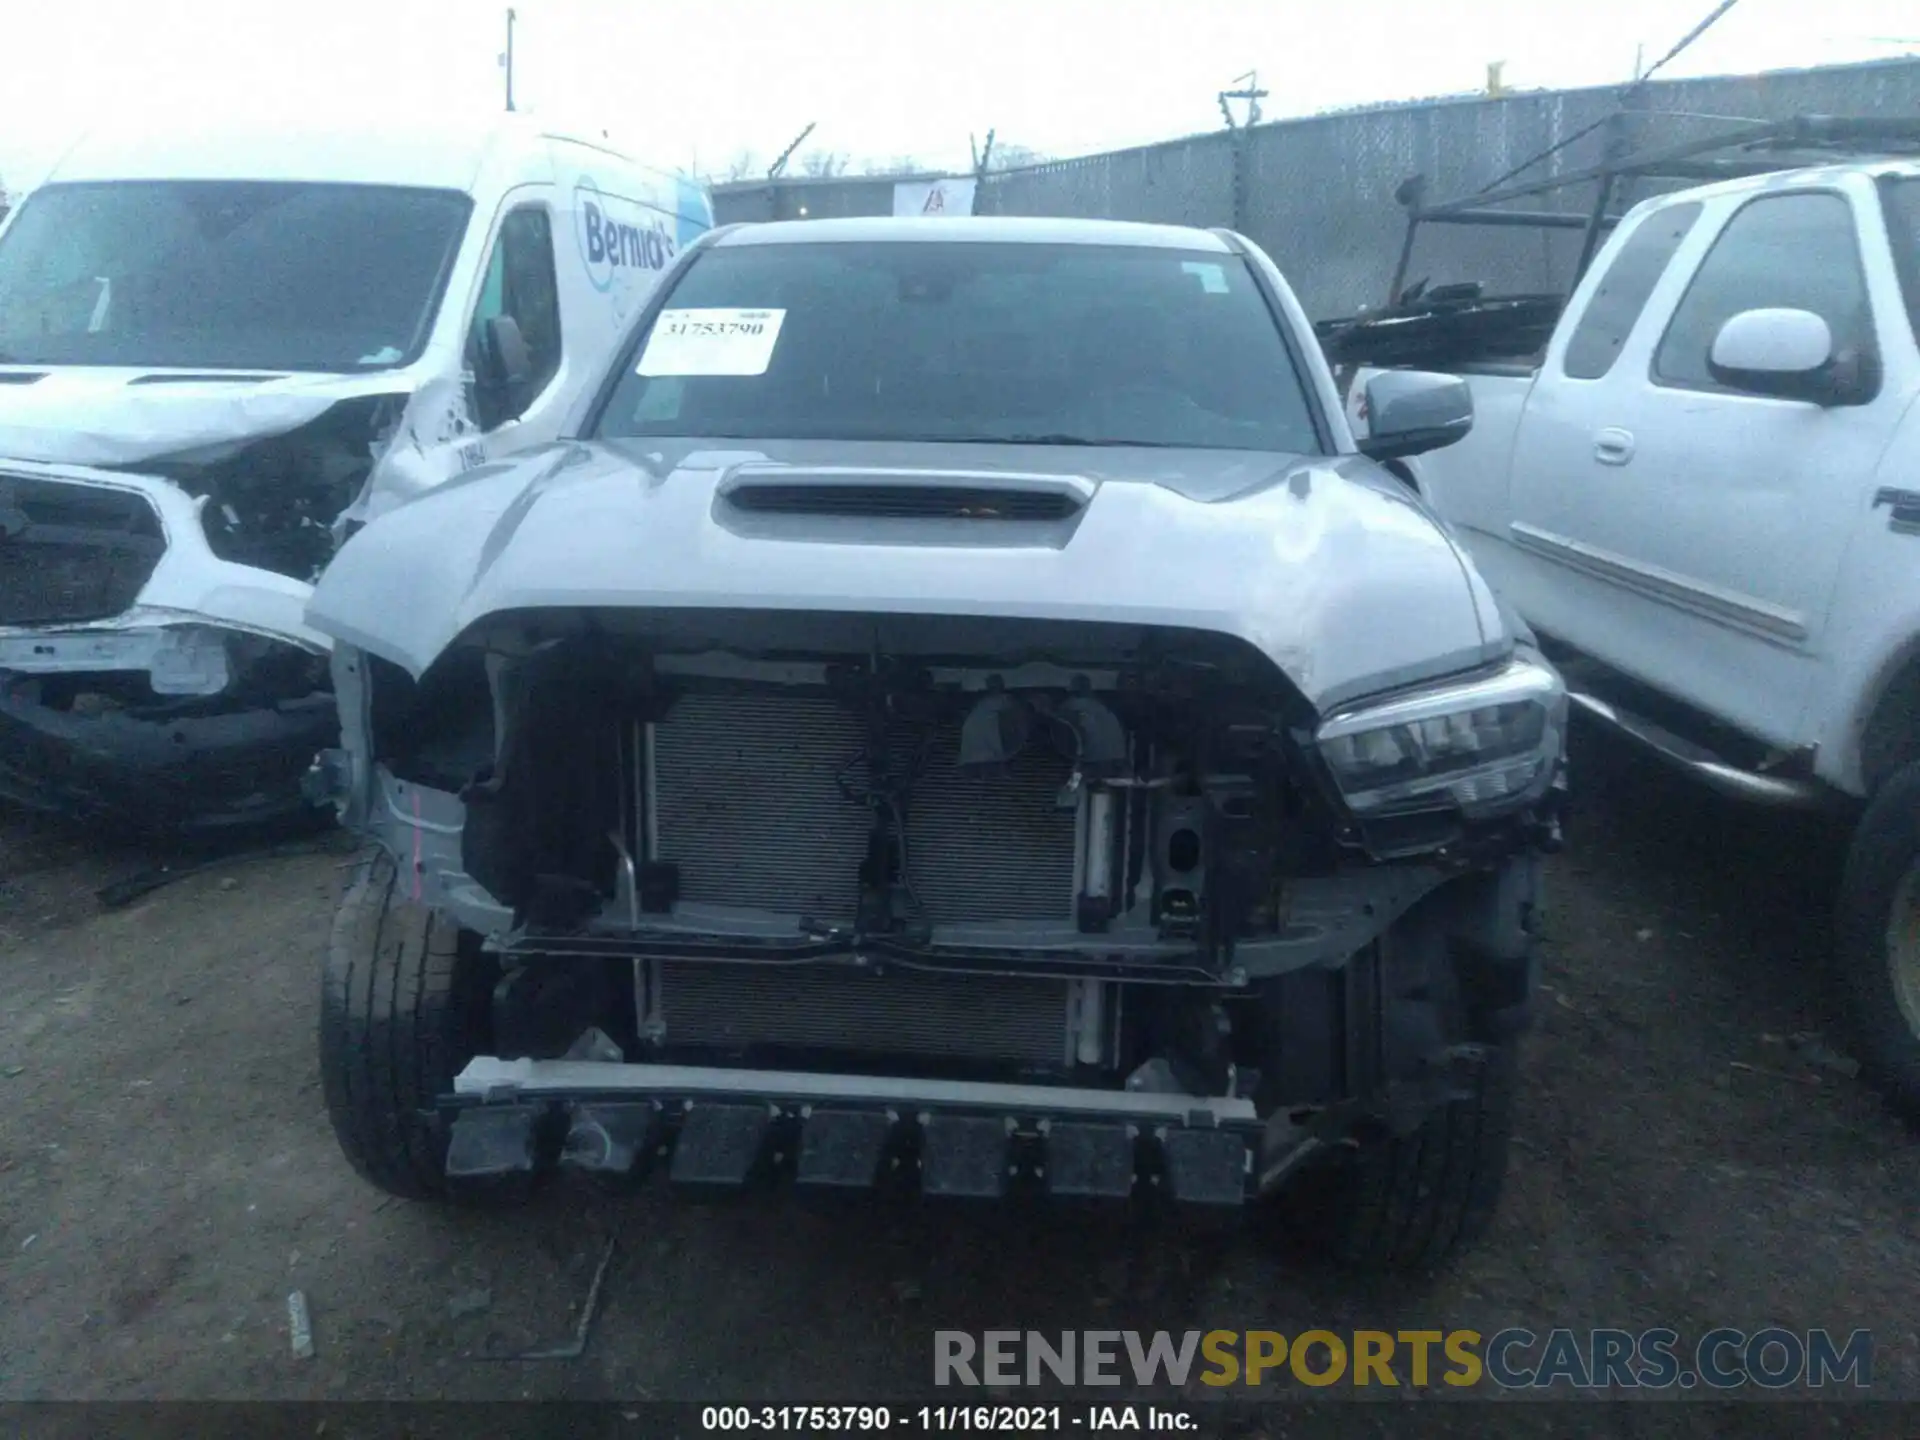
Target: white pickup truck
x=1706, y=494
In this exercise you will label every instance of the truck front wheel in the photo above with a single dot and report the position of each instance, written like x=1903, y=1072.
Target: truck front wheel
x=405, y=1003
x=1406, y=1203
x=1879, y=938
x=1392, y=1198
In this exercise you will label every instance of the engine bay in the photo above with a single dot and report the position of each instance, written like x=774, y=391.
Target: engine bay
x=1075, y=854
x=1144, y=796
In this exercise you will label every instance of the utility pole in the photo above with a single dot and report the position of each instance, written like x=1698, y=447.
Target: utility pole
x=1242, y=132
x=506, y=60
x=1249, y=92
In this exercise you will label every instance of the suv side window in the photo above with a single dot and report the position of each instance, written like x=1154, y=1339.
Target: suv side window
x=1622, y=294
x=520, y=283
x=1794, y=251
x=1900, y=203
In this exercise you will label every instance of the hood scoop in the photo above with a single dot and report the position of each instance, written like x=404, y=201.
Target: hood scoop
x=877, y=494
x=21, y=377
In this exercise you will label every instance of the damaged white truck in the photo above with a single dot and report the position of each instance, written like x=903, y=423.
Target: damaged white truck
x=221, y=353
x=960, y=714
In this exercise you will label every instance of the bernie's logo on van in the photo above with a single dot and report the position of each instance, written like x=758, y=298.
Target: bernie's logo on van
x=611, y=240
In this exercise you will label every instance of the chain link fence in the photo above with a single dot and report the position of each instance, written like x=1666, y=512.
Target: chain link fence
x=1318, y=194
x=1181, y=182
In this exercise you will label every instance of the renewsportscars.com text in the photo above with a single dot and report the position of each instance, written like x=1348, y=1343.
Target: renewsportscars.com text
x=1770, y=1358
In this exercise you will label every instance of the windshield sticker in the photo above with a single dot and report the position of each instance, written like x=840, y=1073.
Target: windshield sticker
x=1213, y=279
x=711, y=342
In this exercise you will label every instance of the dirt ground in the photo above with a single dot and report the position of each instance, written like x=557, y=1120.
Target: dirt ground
x=167, y=1174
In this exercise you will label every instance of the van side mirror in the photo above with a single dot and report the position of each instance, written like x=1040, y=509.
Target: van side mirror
x=1410, y=412
x=1788, y=355
x=505, y=362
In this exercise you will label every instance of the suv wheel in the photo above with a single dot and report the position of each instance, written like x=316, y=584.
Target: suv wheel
x=1879, y=938
x=404, y=1004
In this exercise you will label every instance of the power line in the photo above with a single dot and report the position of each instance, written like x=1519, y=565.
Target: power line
x=1551, y=150
x=1640, y=78
x=1691, y=36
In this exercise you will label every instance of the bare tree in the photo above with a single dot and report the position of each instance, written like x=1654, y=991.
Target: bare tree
x=822, y=163
x=893, y=165
x=743, y=166
x=1014, y=157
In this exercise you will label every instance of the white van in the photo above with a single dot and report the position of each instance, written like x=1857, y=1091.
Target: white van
x=220, y=353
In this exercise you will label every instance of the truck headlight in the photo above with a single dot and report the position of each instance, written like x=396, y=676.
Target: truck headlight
x=1484, y=743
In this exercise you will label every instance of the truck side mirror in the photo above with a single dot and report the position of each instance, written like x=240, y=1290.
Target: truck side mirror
x=1788, y=355
x=1410, y=412
x=505, y=362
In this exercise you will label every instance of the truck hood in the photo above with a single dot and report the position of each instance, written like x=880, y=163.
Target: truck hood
x=1325, y=564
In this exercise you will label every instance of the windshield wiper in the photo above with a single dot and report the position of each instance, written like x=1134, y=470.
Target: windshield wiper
x=1062, y=438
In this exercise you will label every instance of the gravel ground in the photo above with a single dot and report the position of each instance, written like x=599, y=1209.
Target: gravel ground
x=167, y=1174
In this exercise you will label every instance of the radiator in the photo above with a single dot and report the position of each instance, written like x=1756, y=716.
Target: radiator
x=901, y=1012
x=747, y=804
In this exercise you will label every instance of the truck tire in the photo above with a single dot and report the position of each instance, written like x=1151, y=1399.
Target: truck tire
x=1878, y=949
x=404, y=1005
x=1405, y=1203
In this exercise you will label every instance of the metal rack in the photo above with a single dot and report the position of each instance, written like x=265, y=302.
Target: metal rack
x=1752, y=148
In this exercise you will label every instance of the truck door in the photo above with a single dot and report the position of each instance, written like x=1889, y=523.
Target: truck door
x=1696, y=532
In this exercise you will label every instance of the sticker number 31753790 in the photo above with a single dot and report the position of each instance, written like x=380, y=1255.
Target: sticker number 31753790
x=711, y=342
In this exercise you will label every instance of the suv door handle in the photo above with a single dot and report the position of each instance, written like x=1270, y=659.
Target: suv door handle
x=1613, y=446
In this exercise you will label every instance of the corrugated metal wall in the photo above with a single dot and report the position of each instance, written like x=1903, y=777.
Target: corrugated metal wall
x=1318, y=194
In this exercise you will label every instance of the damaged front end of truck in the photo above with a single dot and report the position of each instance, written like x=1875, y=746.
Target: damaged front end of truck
x=156, y=668
x=926, y=893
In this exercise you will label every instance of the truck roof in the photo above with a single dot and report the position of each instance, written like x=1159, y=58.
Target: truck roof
x=1005, y=229
x=1797, y=175
x=447, y=153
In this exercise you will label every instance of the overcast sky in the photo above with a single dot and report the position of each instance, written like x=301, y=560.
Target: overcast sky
x=699, y=81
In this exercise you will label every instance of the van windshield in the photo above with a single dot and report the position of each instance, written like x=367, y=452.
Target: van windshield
x=967, y=342
x=225, y=275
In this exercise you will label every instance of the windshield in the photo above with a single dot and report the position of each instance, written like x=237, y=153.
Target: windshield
x=967, y=341
x=1903, y=227
x=223, y=274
